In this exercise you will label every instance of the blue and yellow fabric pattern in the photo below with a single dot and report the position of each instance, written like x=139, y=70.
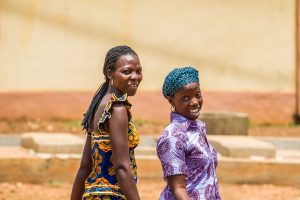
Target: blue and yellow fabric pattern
x=102, y=182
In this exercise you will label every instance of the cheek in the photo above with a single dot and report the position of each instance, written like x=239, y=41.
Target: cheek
x=184, y=106
x=119, y=77
x=177, y=105
x=140, y=78
x=201, y=101
x=125, y=78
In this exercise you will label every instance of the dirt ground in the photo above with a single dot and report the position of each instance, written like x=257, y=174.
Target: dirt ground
x=270, y=115
x=262, y=108
x=144, y=127
x=149, y=190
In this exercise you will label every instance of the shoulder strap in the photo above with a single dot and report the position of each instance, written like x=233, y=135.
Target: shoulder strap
x=106, y=113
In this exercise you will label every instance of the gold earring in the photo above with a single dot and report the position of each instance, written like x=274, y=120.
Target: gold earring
x=112, y=82
x=172, y=108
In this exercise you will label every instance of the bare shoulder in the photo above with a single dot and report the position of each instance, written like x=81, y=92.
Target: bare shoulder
x=119, y=107
x=118, y=122
x=119, y=111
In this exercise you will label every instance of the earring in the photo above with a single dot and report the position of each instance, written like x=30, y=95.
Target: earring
x=172, y=108
x=112, y=82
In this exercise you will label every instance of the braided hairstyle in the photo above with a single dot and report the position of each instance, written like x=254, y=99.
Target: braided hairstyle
x=111, y=58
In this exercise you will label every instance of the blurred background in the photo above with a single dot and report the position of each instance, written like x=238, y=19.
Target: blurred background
x=61, y=45
x=243, y=51
x=52, y=54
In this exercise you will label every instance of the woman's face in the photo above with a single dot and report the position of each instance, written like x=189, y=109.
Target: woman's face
x=188, y=101
x=127, y=74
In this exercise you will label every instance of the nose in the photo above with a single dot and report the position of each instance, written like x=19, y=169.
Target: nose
x=135, y=76
x=194, y=101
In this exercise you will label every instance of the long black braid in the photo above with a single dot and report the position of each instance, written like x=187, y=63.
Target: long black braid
x=111, y=58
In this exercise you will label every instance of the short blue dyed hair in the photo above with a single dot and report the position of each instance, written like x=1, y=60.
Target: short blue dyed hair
x=177, y=78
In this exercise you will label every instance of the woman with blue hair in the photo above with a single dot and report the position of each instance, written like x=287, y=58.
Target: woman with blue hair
x=188, y=160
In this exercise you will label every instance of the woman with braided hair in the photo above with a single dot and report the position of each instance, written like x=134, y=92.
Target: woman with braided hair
x=108, y=167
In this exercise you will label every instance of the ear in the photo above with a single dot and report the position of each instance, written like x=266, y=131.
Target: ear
x=109, y=74
x=171, y=100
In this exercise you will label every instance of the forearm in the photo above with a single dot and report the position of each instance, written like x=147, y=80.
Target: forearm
x=177, y=185
x=78, y=186
x=180, y=194
x=127, y=183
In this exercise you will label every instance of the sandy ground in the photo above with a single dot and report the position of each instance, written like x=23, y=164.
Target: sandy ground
x=144, y=127
x=149, y=190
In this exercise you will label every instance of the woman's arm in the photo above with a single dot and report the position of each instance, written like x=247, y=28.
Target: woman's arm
x=83, y=171
x=118, y=129
x=178, y=186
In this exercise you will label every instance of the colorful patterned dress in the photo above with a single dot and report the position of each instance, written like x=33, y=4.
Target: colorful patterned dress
x=102, y=183
x=183, y=149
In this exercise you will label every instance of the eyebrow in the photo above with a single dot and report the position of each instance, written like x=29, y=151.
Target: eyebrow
x=128, y=67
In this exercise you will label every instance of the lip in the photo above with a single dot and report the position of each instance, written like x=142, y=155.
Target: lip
x=133, y=85
x=195, y=110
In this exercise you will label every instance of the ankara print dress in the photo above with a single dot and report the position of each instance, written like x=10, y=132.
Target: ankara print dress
x=183, y=149
x=102, y=183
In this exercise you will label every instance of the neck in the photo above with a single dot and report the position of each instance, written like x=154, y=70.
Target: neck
x=112, y=89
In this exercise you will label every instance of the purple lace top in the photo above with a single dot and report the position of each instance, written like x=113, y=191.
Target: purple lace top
x=183, y=149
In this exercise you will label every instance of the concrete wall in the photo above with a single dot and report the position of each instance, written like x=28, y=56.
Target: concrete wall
x=60, y=45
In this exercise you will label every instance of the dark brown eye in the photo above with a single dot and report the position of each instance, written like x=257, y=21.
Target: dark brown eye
x=126, y=72
x=185, y=98
x=139, y=71
x=198, y=95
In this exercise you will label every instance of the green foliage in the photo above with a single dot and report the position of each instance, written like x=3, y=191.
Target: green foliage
x=53, y=183
x=73, y=123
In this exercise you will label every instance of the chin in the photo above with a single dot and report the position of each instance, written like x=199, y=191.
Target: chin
x=131, y=93
x=193, y=117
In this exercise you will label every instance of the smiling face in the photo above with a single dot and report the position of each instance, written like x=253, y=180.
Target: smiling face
x=188, y=100
x=127, y=74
